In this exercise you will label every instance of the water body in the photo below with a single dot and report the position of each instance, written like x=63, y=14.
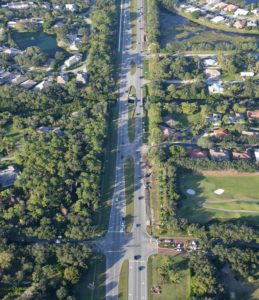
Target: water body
x=46, y=42
x=174, y=27
x=251, y=1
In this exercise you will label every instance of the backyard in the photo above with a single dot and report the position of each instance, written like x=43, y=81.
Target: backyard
x=169, y=291
x=238, y=198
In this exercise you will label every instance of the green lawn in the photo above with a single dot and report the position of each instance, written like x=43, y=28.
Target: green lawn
x=133, y=17
x=129, y=190
x=170, y=291
x=124, y=280
x=240, y=193
x=95, y=274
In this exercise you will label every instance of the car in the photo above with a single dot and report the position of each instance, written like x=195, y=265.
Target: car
x=138, y=225
x=136, y=257
x=141, y=268
x=140, y=197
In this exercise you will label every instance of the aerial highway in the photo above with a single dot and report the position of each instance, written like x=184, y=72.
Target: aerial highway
x=116, y=244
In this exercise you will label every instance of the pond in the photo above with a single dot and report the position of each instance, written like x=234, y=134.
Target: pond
x=46, y=42
x=174, y=27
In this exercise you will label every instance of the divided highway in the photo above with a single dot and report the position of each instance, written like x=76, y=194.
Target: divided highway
x=118, y=245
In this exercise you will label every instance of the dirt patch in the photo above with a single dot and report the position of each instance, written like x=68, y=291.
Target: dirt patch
x=227, y=173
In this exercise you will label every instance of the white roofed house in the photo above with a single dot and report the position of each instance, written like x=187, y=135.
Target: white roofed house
x=241, y=12
x=73, y=60
x=247, y=74
x=71, y=7
x=251, y=23
x=216, y=88
x=217, y=19
x=255, y=11
x=8, y=176
x=256, y=153
x=20, y=5
x=42, y=85
x=62, y=79
x=82, y=78
x=210, y=62
x=212, y=74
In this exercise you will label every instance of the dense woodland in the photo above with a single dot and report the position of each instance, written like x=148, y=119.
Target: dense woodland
x=58, y=190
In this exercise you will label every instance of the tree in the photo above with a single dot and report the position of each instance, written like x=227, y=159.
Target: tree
x=5, y=260
x=205, y=143
x=71, y=274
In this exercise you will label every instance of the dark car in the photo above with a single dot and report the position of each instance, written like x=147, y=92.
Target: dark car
x=141, y=268
x=137, y=257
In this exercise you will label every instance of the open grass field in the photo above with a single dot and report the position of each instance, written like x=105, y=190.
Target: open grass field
x=170, y=291
x=129, y=191
x=124, y=279
x=95, y=274
x=240, y=199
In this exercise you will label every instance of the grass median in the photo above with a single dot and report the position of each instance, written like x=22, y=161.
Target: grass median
x=133, y=19
x=108, y=177
x=132, y=115
x=124, y=280
x=92, y=284
x=129, y=190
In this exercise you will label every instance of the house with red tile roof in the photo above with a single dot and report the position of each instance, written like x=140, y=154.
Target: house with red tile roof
x=221, y=132
x=241, y=155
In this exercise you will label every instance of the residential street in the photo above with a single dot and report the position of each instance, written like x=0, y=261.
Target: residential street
x=118, y=245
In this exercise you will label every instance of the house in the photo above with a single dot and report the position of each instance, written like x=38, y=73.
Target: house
x=73, y=60
x=216, y=88
x=8, y=176
x=251, y=23
x=46, y=6
x=236, y=118
x=230, y=8
x=241, y=155
x=28, y=84
x=219, y=155
x=217, y=19
x=212, y=2
x=167, y=131
x=82, y=78
x=241, y=12
x=209, y=62
x=58, y=7
x=59, y=24
x=42, y=130
x=5, y=77
x=247, y=74
x=256, y=153
x=58, y=131
x=255, y=11
x=215, y=119
x=71, y=7
x=221, y=132
x=250, y=133
x=20, y=5
x=212, y=74
x=11, y=24
x=19, y=79
x=169, y=120
x=197, y=153
x=42, y=85
x=239, y=24
x=221, y=5
x=253, y=115
x=12, y=51
x=62, y=79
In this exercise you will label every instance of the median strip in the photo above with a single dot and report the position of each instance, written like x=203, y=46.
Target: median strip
x=129, y=192
x=124, y=281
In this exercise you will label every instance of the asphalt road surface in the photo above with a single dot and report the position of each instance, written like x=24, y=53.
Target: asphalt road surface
x=118, y=245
